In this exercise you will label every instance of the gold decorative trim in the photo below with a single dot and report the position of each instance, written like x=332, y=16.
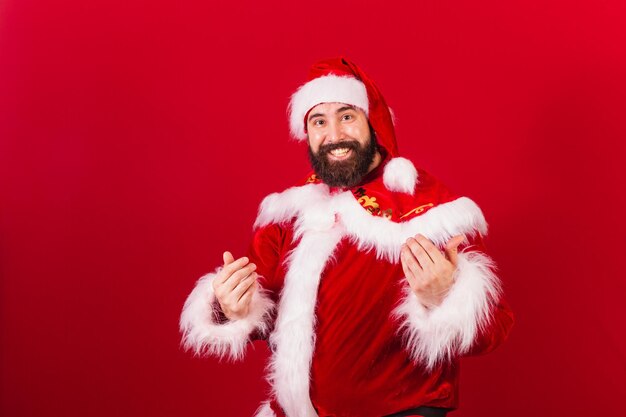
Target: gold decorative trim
x=417, y=210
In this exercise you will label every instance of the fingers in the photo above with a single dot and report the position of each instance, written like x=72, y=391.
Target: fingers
x=452, y=248
x=410, y=266
x=236, y=304
x=228, y=258
x=243, y=286
x=237, y=276
x=230, y=268
x=433, y=251
x=246, y=298
x=418, y=251
x=234, y=285
x=429, y=272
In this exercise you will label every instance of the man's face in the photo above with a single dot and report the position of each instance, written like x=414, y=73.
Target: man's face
x=341, y=148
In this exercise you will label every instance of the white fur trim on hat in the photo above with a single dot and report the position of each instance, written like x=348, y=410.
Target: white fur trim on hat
x=400, y=175
x=204, y=335
x=326, y=89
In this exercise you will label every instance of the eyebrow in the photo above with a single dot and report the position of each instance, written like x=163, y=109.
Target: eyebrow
x=339, y=110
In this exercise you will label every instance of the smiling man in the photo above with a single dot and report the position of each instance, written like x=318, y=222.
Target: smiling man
x=369, y=279
x=341, y=147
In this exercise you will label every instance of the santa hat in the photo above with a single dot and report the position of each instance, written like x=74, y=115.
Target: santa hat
x=339, y=80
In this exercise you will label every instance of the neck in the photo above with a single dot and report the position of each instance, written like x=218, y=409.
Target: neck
x=375, y=162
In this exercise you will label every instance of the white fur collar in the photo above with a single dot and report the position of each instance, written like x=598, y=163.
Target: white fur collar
x=314, y=208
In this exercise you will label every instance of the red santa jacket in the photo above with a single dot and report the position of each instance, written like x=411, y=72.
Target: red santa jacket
x=348, y=336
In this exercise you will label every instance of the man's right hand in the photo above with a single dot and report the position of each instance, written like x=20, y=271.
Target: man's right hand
x=234, y=286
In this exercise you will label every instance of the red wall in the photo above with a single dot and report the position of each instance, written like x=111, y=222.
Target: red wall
x=138, y=137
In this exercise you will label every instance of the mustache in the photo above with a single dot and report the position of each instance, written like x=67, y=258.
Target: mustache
x=349, y=144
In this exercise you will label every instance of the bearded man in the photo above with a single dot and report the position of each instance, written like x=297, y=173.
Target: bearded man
x=369, y=279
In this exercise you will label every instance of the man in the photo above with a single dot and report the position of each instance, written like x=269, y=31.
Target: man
x=357, y=276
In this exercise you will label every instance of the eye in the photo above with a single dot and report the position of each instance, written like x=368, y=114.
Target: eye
x=318, y=122
x=346, y=116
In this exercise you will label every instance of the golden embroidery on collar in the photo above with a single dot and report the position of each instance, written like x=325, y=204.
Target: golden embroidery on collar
x=370, y=204
x=417, y=210
x=367, y=201
x=312, y=178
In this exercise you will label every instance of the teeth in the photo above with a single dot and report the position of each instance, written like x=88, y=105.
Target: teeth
x=339, y=151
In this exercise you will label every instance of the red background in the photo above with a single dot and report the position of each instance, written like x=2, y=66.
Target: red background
x=137, y=138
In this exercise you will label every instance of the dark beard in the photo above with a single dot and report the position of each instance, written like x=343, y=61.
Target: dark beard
x=346, y=173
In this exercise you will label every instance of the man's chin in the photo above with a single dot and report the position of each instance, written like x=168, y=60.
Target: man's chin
x=340, y=177
x=349, y=161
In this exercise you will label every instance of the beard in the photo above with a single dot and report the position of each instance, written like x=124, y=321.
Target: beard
x=346, y=173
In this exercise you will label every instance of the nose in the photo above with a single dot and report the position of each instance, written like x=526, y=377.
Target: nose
x=335, y=132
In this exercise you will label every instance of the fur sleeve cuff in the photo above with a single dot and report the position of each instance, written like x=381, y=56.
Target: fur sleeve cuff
x=438, y=334
x=202, y=331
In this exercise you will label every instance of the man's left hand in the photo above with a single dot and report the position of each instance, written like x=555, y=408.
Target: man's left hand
x=430, y=272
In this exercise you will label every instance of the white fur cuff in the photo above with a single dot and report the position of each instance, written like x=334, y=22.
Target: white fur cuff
x=450, y=329
x=204, y=335
x=265, y=410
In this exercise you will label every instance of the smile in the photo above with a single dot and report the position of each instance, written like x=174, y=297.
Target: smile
x=340, y=153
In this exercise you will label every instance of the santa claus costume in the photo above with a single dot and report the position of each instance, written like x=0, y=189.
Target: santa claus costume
x=348, y=335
